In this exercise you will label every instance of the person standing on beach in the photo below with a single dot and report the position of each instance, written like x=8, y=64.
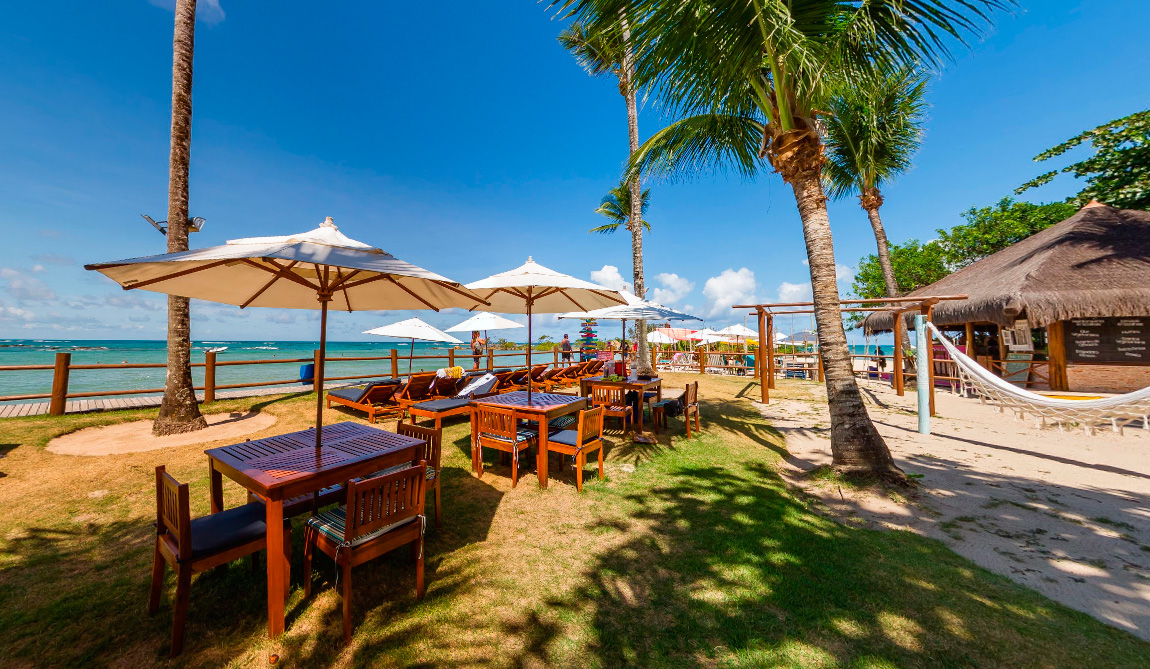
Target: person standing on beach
x=477, y=344
x=565, y=348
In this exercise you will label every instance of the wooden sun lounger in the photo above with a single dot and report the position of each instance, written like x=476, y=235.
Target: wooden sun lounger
x=441, y=408
x=375, y=399
x=417, y=389
x=567, y=376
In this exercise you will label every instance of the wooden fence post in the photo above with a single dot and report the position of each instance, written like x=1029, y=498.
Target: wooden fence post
x=703, y=360
x=60, y=384
x=209, y=377
x=490, y=359
x=451, y=357
x=394, y=364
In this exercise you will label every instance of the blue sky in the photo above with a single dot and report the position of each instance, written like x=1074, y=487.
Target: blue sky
x=461, y=141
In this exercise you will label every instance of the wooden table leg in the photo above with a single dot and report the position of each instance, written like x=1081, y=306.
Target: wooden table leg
x=277, y=561
x=474, y=451
x=217, y=487
x=637, y=430
x=541, y=456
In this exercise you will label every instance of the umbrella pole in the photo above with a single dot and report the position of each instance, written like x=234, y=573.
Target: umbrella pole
x=529, y=301
x=410, y=355
x=318, y=375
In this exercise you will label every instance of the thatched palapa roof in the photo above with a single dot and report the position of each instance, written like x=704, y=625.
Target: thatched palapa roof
x=1094, y=264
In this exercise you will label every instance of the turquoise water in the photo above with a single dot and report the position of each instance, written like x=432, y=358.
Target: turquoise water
x=84, y=352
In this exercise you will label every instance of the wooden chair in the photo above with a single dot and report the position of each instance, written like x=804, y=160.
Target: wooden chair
x=375, y=399
x=432, y=453
x=577, y=443
x=691, y=406
x=194, y=545
x=382, y=514
x=498, y=428
x=613, y=400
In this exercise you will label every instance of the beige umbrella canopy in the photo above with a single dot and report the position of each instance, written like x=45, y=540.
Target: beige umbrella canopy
x=533, y=288
x=302, y=271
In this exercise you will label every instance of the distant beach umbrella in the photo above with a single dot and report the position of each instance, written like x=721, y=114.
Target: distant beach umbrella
x=801, y=338
x=413, y=328
x=657, y=337
x=636, y=309
x=484, y=321
x=533, y=288
x=301, y=271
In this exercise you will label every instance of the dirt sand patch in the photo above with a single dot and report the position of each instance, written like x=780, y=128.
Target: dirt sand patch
x=137, y=436
x=1060, y=512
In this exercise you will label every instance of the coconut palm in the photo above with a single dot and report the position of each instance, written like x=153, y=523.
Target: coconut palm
x=750, y=78
x=608, y=50
x=616, y=206
x=179, y=411
x=873, y=129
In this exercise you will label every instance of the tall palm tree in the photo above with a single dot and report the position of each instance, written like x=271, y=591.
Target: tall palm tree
x=749, y=78
x=609, y=50
x=873, y=129
x=616, y=206
x=179, y=411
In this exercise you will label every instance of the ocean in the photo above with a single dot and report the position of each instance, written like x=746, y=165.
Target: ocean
x=113, y=351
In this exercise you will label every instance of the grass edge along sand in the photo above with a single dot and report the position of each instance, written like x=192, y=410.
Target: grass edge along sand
x=693, y=552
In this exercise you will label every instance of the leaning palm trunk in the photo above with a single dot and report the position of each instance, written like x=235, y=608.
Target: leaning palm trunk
x=871, y=202
x=179, y=411
x=642, y=351
x=855, y=443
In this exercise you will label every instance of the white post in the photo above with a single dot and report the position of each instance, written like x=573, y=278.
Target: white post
x=922, y=373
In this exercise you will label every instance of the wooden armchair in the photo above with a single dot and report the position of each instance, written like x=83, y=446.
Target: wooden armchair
x=586, y=438
x=691, y=406
x=498, y=428
x=375, y=399
x=194, y=545
x=613, y=400
x=382, y=514
x=432, y=452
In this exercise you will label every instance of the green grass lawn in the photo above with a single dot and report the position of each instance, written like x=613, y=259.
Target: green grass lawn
x=699, y=555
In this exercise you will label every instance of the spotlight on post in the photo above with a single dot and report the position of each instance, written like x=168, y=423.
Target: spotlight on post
x=195, y=224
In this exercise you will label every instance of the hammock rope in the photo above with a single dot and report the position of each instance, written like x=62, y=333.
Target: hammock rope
x=1117, y=411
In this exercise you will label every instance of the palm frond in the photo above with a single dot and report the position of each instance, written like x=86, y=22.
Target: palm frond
x=616, y=206
x=702, y=144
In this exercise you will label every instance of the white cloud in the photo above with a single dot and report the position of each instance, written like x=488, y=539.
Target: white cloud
x=674, y=288
x=609, y=277
x=729, y=288
x=794, y=292
x=25, y=288
x=283, y=317
x=9, y=314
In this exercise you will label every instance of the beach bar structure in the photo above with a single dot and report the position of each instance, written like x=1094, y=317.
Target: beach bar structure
x=1066, y=309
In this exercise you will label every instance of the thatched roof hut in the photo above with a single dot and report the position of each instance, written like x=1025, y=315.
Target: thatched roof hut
x=1094, y=264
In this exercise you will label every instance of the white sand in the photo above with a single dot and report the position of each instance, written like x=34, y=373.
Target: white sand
x=137, y=436
x=1062, y=513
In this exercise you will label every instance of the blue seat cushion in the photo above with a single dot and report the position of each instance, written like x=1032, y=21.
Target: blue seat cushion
x=446, y=404
x=331, y=524
x=218, y=532
x=568, y=438
x=522, y=435
x=357, y=395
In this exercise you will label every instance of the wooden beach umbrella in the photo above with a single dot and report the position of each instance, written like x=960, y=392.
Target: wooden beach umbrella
x=413, y=328
x=301, y=271
x=485, y=321
x=533, y=288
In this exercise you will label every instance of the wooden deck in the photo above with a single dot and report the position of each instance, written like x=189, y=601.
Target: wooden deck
x=10, y=410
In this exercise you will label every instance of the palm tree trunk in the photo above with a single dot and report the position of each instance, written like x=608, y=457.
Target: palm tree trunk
x=855, y=443
x=871, y=204
x=179, y=411
x=635, y=221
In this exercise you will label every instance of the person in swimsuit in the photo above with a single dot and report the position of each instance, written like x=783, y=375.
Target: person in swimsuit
x=565, y=348
x=477, y=344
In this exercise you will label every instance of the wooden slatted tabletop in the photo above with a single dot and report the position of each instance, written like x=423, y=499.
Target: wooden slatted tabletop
x=542, y=408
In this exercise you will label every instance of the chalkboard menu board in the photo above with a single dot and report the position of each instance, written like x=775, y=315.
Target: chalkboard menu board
x=1109, y=340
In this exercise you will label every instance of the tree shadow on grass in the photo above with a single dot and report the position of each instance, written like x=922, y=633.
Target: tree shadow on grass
x=5, y=449
x=734, y=569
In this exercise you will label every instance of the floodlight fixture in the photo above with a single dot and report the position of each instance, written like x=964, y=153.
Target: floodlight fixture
x=195, y=224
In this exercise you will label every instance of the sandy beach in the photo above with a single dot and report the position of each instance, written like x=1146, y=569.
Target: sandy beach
x=1060, y=512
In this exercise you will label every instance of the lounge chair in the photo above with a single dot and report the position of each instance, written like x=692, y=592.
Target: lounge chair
x=506, y=380
x=560, y=377
x=417, y=389
x=376, y=398
x=460, y=405
x=531, y=377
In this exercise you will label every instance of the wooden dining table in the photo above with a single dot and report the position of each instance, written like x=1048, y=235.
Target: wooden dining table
x=288, y=465
x=543, y=408
x=629, y=383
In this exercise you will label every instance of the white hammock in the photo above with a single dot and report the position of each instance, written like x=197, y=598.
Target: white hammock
x=1116, y=411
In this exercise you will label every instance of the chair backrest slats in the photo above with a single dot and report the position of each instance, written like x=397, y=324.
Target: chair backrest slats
x=607, y=396
x=590, y=425
x=496, y=422
x=433, y=449
x=173, y=512
x=691, y=396
x=418, y=386
x=380, y=501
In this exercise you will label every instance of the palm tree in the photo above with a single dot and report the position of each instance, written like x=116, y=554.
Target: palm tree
x=609, y=50
x=749, y=78
x=873, y=129
x=616, y=206
x=179, y=411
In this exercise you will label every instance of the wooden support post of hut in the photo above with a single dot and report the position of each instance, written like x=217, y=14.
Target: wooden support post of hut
x=761, y=358
x=896, y=377
x=770, y=351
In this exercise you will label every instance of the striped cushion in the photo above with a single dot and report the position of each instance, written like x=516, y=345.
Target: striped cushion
x=618, y=408
x=389, y=470
x=562, y=422
x=431, y=473
x=524, y=434
x=331, y=524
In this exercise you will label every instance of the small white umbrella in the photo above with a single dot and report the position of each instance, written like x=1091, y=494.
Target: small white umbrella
x=484, y=321
x=636, y=309
x=659, y=338
x=738, y=330
x=532, y=288
x=412, y=328
x=301, y=271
